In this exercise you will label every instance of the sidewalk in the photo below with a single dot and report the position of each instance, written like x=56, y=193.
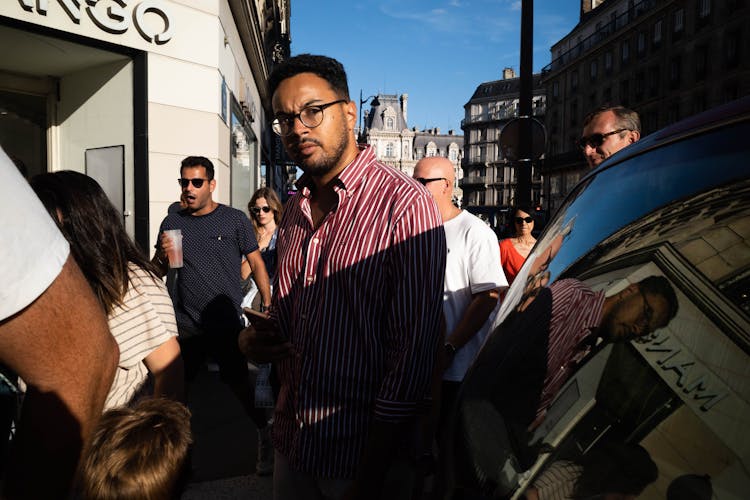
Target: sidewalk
x=224, y=445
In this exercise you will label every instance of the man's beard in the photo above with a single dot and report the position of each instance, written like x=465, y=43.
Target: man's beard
x=326, y=162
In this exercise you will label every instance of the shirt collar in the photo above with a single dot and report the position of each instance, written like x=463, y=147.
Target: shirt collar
x=349, y=178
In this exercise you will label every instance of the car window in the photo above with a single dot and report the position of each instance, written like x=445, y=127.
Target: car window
x=621, y=350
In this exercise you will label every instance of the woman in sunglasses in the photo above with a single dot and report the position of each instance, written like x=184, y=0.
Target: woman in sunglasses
x=265, y=213
x=513, y=251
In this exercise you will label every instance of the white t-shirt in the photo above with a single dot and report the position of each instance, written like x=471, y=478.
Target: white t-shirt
x=473, y=266
x=33, y=249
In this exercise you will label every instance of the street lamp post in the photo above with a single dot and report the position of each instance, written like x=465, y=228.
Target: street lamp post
x=375, y=102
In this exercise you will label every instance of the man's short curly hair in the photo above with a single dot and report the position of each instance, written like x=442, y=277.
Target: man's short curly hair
x=327, y=68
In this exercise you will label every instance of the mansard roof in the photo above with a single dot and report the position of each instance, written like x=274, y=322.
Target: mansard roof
x=375, y=117
x=505, y=89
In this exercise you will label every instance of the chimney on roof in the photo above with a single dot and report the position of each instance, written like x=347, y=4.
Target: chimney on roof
x=450, y=132
x=508, y=73
x=437, y=130
x=404, y=99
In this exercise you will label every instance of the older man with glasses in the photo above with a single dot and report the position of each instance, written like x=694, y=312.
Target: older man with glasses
x=607, y=130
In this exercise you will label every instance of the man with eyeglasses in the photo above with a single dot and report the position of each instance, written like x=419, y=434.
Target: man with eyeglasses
x=208, y=292
x=354, y=324
x=607, y=130
x=473, y=278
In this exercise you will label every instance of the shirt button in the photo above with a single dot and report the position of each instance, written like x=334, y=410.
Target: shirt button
x=315, y=240
x=310, y=279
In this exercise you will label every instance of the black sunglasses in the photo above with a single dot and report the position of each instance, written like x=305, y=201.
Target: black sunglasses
x=425, y=181
x=198, y=183
x=527, y=220
x=596, y=140
x=256, y=210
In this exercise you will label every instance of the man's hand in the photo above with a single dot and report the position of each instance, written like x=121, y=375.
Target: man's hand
x=261, y=342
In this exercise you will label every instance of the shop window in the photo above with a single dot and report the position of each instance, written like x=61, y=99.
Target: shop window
x=243, y=158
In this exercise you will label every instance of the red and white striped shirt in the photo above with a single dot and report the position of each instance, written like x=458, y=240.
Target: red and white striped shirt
x=576, y=312
x=360, y=298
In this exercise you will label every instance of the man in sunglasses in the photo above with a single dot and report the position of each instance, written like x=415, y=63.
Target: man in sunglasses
x=473, y=277
x=607, y=130
x=354, y=325
x=207, y=292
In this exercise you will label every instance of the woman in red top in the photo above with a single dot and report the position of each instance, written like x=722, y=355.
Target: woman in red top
x=513, y=251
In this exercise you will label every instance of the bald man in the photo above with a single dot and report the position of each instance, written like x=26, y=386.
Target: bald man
x=607, y=130
x=473, y=275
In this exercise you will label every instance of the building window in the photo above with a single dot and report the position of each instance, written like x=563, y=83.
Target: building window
x=608, y=62
x=704, y=8
x=675, y=71
x=574, y=112
x=625, y=91
x=679, y=20
x=453, y=155
x=701, y=62
x=673, y=113
x=732, y=49
x=389, y=150
x=641, y=43
x=640, y=85
x=389, y=123
x=653, y=81
x=555, y=89
x=574, y=80
x=593, y=69
x=406, y=152
x=625, y=52
x=657, y=33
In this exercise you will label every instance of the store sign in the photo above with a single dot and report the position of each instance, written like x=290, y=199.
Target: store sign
x=115, y=17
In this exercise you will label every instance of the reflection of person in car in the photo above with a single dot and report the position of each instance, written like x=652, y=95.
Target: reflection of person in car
x=579, y=316
x=613, y=471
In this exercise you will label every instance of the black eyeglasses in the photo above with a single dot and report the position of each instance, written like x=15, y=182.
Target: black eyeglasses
x=309, y=116
x=596, y=140
x=424, y=181
x=198, y=183
x=527, y=220
x=256, y=210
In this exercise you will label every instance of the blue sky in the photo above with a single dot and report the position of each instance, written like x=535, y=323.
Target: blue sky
x=437, y=51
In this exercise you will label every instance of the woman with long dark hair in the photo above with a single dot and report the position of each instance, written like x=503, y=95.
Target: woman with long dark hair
x=265, y=213
x=139, y=310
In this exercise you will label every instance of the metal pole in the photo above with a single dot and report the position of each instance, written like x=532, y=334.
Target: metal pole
x=523, y=167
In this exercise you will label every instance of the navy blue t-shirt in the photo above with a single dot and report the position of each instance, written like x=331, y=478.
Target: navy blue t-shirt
x=208, y=285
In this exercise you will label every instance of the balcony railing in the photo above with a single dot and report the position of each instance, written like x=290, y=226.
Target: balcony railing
x=599, y=35
x=472, y=181
x=505, y=113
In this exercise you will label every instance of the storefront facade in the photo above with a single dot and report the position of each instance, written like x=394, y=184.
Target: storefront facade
x=124, y=90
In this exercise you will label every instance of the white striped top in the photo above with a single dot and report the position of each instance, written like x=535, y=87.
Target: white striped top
x=360, y=298
x=140, y=325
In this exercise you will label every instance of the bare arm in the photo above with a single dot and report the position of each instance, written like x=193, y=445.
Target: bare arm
x=260, y=275
x=479, y=309
x=160, y=255
x=61, y=346
x=165, y=364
